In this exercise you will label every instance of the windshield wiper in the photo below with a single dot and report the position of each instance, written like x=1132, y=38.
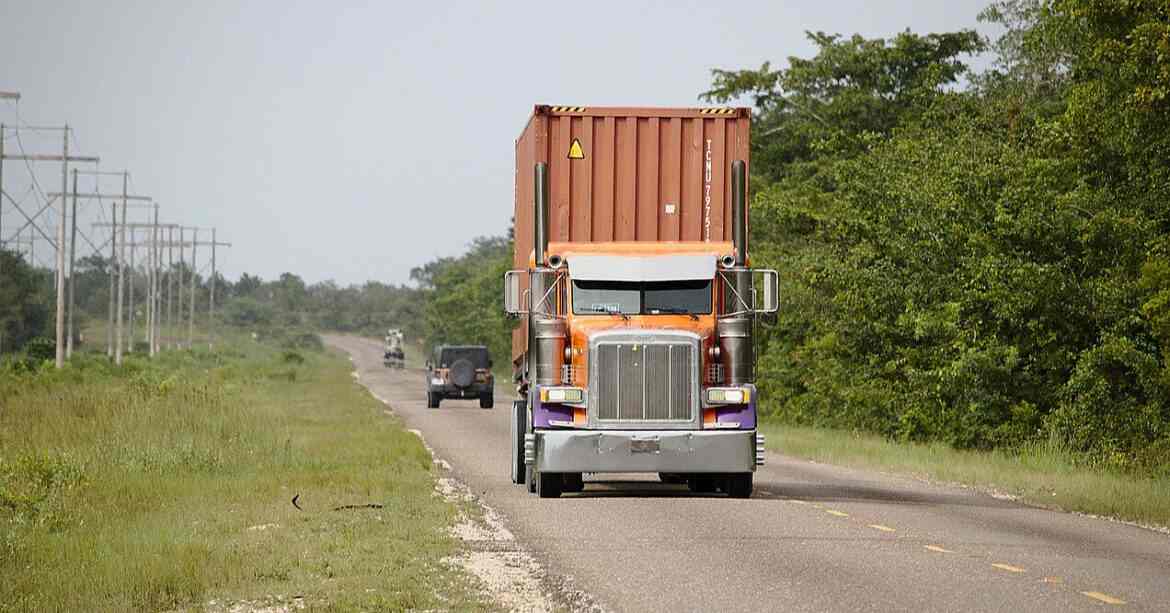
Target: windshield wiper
x=675, y=311
x=617, y=312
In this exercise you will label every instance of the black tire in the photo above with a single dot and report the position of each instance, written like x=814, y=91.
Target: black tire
x=487, y=402
x=530, y=479
x=432, y=400
x=701, y=484
x=519, y=428
x=573, y=482
x=672, y=478
x=739, y=485
x=549, y=485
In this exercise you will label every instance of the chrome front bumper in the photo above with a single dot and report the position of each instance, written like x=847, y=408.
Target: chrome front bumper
x=635, y=451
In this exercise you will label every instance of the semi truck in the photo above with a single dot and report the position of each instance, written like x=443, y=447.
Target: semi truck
x=638, y=303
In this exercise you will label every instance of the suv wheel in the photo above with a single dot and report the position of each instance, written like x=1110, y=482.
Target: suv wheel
x=487, y=401
x=432, y=400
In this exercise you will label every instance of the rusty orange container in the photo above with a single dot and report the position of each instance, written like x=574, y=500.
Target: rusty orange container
x=629, y=174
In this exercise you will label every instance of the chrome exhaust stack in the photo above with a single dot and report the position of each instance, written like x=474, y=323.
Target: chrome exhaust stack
x=734, y=328
x=546, y=333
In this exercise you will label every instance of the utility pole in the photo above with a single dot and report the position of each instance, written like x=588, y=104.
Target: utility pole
x=211, y=298
x=130, y=293
x=179, y=292
x=211, y=294
x=170, y=285
x=121, y=270
x=72, y=273
x=61, y=252
x=194, y=280
x=154, y=255
x=110, y=272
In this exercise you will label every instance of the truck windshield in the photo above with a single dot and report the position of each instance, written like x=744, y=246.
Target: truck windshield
x=642, y=298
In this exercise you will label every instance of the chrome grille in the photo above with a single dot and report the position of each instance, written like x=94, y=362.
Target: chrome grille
x=639, y=381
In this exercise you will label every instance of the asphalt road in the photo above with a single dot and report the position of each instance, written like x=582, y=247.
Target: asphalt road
x=813, y=537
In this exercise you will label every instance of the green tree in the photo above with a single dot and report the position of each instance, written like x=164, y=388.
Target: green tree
x=24, y=301
x=978, y=260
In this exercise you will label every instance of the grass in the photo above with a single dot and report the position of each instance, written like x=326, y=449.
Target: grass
x=1041, y=474
x=166, y=485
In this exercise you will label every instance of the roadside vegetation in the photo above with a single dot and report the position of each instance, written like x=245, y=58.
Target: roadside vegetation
x=169, y=485
x=1043, y=473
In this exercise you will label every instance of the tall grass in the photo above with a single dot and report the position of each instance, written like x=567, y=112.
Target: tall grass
x=1042, y=474
x=167, y=484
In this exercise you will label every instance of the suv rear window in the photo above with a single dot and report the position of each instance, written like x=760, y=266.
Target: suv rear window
x=478, y=356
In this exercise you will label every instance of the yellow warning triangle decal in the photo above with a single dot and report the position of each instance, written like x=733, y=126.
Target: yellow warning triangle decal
x=575, y=151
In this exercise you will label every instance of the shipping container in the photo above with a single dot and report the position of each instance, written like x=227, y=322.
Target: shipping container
x=628, y=174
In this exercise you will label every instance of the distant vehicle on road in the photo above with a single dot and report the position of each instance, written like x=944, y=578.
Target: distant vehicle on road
x=394, y=356
x=637, y=297
x=460, y=371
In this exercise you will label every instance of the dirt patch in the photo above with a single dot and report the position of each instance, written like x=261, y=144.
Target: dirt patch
x=510, y=576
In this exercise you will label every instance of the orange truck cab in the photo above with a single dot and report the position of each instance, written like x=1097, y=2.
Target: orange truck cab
x=637, y=303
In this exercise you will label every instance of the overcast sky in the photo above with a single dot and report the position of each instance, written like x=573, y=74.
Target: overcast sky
x=355, y=143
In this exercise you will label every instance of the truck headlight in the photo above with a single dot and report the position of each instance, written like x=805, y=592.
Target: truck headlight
x=725, y=395
x=562, y=394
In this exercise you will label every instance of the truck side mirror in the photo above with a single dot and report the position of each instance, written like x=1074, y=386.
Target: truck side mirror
x=513, y=296
x=771, y=285
x=489, y=362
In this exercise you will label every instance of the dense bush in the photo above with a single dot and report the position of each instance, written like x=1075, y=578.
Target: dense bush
x=986, y=263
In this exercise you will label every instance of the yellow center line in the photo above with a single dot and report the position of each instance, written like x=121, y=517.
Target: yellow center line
x=837, y=513
x=938, y=549
x=882, y=528
x=797, y=501
x=1105, y=598
x=1009, y=568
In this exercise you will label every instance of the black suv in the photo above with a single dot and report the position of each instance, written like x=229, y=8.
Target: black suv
x=460, y=371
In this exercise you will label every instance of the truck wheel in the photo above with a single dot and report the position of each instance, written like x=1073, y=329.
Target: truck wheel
x=739, y=485
x=701, y=484
x=548, y=485
x=487, y=402
x=530, y=479
x=573, y=482
x=519, y=426
x=432, y=400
